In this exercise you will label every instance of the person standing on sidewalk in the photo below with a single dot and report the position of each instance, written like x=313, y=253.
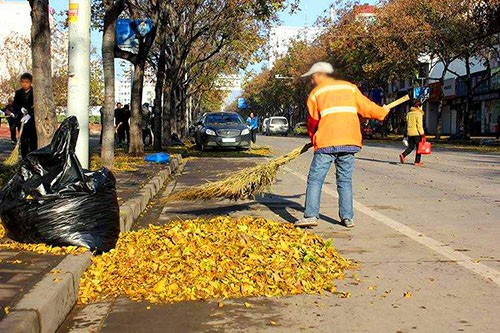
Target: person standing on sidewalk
x=333, y=124
x=119, y=122
x=24, y=104
x=253, y=123
x=414, y=132
x=125, y=127
x=13, y=118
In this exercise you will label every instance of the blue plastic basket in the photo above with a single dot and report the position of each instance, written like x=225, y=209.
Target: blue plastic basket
x=161, y=158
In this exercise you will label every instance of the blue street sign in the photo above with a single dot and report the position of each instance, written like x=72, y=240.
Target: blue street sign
x=125, y=33
x=242, y=103
x=421, y=93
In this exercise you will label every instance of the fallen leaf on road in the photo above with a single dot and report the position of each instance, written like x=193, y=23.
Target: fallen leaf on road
x=343, y=294
x=248, y=305
x=407, y=294
x=6, y=310
x=57, y=280
x=220, y=305
x=272, y=323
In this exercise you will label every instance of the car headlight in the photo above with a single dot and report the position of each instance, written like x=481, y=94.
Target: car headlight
x=208, y=131
x=245, y=131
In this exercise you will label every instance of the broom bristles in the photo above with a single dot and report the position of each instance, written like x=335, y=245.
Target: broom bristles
x=13, y=158
x=245, y=184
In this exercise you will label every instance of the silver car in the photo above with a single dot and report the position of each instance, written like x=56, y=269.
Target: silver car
x=277, y=126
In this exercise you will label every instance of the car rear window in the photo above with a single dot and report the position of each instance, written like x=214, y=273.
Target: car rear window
x=223, y=118
x=279, y=121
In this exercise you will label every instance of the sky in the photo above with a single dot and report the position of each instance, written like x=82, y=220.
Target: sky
x=307, y=14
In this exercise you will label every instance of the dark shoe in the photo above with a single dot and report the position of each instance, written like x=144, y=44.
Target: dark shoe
x=348, y=223
x=307, y=222
x=401, y=158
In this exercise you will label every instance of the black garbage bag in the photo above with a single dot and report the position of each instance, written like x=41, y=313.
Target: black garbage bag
x=52, y=200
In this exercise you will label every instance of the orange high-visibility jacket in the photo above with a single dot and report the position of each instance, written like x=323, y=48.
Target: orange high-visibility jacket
x=333, y=119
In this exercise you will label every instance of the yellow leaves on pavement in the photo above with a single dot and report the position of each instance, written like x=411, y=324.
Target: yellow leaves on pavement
x=42, y=248
x=39, y=248
x=407, y=294
x=215, y=258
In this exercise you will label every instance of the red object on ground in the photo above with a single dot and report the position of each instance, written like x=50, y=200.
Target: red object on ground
x=4, y=130
x=424, y=147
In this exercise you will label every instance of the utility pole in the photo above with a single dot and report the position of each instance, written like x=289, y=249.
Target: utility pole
x=79, y=73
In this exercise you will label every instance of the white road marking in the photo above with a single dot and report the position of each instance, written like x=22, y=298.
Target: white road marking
x=444, y=250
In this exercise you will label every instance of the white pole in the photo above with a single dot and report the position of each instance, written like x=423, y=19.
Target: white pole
x=79, y=73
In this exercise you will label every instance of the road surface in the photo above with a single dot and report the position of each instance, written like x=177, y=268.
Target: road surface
x=430, y=233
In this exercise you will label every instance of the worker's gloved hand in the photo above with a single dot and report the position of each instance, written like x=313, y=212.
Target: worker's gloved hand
x=2, y=113
x=25, y=119
x=24, y=111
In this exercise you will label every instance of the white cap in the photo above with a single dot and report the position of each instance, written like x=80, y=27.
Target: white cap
x=319, y=67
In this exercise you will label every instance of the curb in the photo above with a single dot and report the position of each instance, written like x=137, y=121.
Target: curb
x=48, y=303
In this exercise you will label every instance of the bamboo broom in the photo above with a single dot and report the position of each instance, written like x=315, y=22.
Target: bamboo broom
x=244, y=184
x=13, y=158
x=248, y=182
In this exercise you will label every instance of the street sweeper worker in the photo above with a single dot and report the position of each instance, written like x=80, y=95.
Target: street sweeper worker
x=334, y=111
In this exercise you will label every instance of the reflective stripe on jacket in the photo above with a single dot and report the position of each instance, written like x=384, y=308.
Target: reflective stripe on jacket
x=334, y=111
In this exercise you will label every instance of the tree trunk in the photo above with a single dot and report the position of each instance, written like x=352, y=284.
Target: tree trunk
x=108, y=60
x=439, y=120
x=160, y=83
x=45, y=112
x=136, y=145
x=467, y=116
x=166, y=115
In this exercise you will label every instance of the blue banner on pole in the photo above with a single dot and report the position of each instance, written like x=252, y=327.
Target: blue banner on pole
x=126, y=30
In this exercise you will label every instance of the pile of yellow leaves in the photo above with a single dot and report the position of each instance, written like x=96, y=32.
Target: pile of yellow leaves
x=216, y=258
x=38, y=248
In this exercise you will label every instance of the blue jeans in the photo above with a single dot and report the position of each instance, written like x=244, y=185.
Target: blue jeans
x=344, y=165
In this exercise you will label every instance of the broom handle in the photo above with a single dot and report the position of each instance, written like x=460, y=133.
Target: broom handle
x=306, y=148
x=397, y=102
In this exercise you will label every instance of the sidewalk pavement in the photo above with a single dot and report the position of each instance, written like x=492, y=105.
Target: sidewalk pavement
x=22, y=273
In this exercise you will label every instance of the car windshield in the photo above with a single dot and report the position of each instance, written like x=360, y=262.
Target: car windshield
x=223, y=118
x=279, y=121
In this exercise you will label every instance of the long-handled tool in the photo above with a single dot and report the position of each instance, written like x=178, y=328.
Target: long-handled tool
x=13, y=158
x=248, y=182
